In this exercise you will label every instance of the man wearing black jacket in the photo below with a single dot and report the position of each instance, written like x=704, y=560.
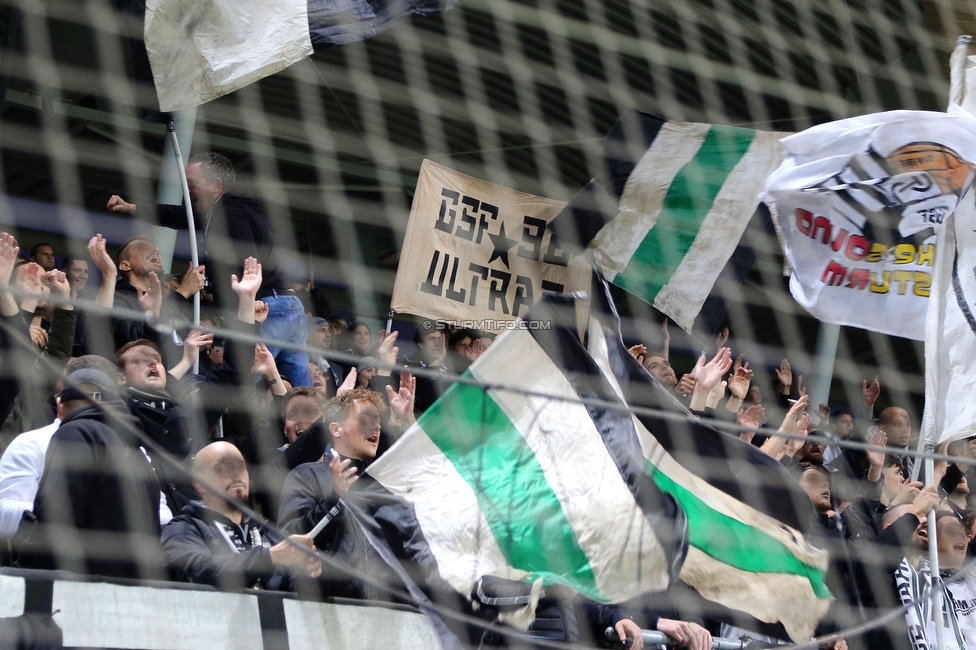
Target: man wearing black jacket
x=97, y=505
x=312, y=491
x=232, y=227
x=138, y=289
x=212, y=542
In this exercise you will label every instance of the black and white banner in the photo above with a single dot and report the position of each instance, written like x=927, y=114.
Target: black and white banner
x=858, y=204
x=479, y=254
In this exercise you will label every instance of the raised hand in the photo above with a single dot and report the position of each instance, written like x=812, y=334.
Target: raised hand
x=117, y=204
x=711, y=373
x=708, y=375
x=791, y=423
x=57, y=283
x=264, y=362
x=347, y=384
x=151, y=299
x=824, y=413
x=722, y=338
x=785, y=375
x=638, y=351
x=59, y=287
x=387, y=353
x=250, y=280
x=879, y=438
x=193, y=343
x=8, y=257
x=30, y=278
x=870, y=392
x=343, y=476
x=100, y=257
x=795, y=444
x=402, y=401
x=752, y=416
x=740, y=379
x=800, y=388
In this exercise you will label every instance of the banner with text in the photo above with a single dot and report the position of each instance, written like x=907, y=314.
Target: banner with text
x=479, y=254
x=857, y=204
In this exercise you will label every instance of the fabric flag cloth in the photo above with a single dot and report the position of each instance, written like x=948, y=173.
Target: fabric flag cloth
x=203, y=50
x=686, y=193
x=564, y=483
x=950, y=327
x=858, y=204
x=479, y=254
x=746, y=515
x=527, y=486
x=950, y=331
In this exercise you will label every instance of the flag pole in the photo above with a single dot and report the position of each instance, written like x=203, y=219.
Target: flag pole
x=389, y=322
x=187, y=204
x=827, y=340
x=935, y=581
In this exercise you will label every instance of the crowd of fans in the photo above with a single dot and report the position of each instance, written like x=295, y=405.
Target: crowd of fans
x=121, y=460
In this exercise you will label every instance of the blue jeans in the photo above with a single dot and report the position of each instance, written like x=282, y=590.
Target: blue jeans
x=287, y=323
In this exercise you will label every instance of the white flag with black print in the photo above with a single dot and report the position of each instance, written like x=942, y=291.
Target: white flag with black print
x=858, y=205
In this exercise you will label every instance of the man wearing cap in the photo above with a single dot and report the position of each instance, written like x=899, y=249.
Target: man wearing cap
x=97, y=505
x=23, y=460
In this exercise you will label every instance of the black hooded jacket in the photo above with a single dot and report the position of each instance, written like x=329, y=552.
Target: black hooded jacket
x=95, y=481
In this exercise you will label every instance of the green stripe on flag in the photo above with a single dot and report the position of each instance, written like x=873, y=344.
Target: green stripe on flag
x=686, y=204
x=522, y=510
x=734, y=543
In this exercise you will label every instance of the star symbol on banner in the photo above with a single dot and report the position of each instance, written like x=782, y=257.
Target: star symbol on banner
x=502, y=245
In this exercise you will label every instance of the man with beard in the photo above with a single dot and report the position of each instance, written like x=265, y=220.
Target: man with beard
x=212, y=542
x=138, y=289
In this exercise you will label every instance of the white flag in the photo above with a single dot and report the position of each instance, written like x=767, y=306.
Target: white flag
x=857, y=204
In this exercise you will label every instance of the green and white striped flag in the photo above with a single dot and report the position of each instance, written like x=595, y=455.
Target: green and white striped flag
x=685, y=196
x=553, y=484
x=525, y=486
x=746, y=514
